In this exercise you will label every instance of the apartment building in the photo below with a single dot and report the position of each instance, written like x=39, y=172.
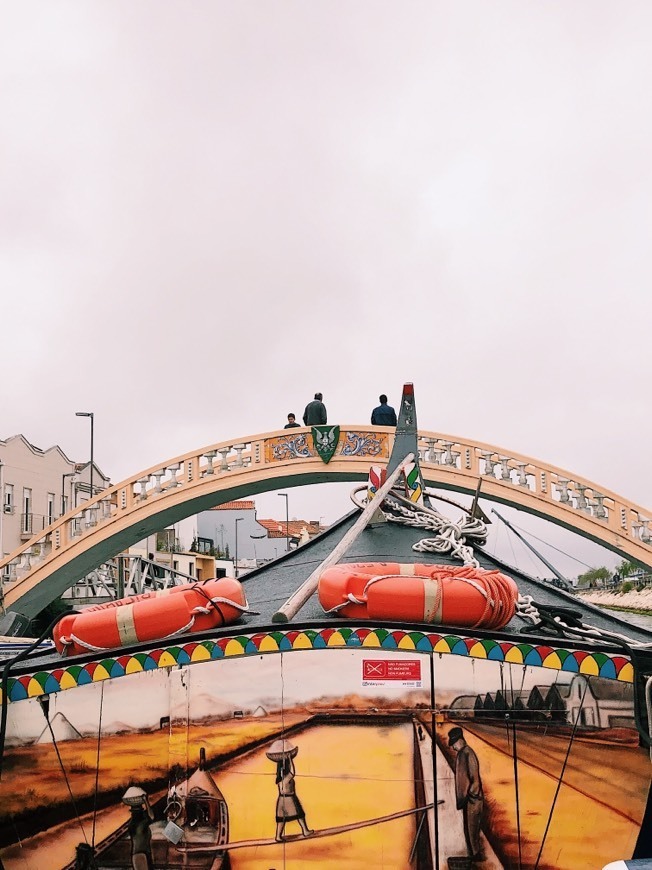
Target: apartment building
x=37, y=487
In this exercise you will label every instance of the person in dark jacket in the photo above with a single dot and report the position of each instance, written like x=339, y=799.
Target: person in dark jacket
x=291, y=423
x=384, y=414
x=468, y=792
x=315, y=413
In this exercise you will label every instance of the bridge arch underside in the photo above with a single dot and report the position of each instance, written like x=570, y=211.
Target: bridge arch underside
x=73, y=563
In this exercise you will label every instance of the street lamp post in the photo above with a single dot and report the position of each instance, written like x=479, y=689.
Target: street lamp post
x=91, y=415
x=287, y=520
x=256, y=538
x=71, y=475
x=238, y=520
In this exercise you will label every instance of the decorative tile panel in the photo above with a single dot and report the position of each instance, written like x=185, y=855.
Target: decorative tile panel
x=614, y=667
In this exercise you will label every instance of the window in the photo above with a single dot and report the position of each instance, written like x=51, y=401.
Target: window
x=27, y=510
x=204, y=545
x=50, y=507
x=191, y=569
x=9, y=498
x=166, y=541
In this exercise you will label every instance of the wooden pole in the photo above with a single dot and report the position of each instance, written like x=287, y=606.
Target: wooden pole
x=299, y=597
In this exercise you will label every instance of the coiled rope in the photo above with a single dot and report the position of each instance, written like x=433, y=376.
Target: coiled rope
x=450, y=537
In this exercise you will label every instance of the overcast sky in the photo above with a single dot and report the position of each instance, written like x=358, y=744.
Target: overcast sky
x=210, y=210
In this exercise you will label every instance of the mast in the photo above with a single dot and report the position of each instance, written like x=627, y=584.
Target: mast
x=405, y=442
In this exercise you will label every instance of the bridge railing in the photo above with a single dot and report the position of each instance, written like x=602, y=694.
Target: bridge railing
x=559, y=488
x=446, y=461
x=156, y=482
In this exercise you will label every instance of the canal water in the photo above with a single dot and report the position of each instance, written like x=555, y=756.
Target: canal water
x=344, y=773
x=643, y=620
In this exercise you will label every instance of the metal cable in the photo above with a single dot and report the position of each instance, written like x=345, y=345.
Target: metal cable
x=97, y=763
x=63, y=770
x=561, y=777
x=518, y=802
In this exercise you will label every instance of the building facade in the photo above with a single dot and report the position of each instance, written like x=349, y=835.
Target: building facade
x=37, y=487
x=256, y=541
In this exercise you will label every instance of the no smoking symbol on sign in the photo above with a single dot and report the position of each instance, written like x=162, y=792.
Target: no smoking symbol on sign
x=374, y=670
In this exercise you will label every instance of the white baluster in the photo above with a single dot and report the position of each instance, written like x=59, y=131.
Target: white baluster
x=449, y=457
x=599, y=510
x=582, y=504
x=645, y=531
x=436, y=455
x=210, y=456
x=173, y=482
x=505, y=474
x=562, y=483
x=431, y=455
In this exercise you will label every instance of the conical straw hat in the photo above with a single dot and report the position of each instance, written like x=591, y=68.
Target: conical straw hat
x=281, y=749
x=134, y=796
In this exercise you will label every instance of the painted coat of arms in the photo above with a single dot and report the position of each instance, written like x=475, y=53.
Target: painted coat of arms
x=325, y=439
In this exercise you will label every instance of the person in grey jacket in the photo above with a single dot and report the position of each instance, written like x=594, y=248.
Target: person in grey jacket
x=315, y=413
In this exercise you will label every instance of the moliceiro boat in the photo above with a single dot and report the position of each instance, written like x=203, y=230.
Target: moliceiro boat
x=396, y=697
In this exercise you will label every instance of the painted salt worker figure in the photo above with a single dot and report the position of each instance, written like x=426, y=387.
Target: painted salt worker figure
x=140, y=835
x=288, y=805
x=468, y=792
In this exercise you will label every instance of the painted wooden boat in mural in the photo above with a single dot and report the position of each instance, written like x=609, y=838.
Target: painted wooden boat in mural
x=378, y=738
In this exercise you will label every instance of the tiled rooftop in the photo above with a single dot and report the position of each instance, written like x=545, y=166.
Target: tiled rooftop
x=276, y=528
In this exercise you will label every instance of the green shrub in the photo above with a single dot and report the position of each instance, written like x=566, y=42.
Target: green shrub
x=627, y=587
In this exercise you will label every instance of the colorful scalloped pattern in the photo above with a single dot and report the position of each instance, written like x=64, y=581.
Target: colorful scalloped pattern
x=595, y=664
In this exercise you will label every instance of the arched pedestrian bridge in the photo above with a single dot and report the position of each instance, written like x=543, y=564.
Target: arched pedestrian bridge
x=118, y=517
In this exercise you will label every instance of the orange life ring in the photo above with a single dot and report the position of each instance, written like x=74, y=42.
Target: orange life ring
x=458, y=595
x=151, y=616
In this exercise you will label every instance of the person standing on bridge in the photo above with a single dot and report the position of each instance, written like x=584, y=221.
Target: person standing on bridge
x=291, y=423
x=315, y=413
x=468, y=792
x=384, y=414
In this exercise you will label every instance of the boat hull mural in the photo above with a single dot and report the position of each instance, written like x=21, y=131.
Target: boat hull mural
x=339, y=747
